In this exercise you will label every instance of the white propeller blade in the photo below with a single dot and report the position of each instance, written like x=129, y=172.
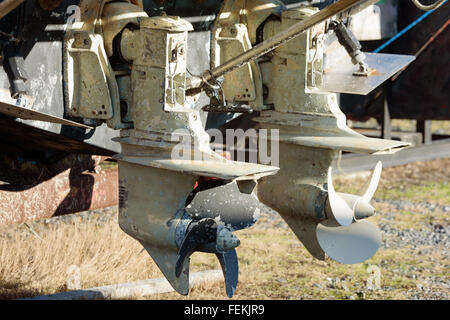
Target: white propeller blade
x=349, y=245
x=343, y=207
x=342, y=212
x=372, y=184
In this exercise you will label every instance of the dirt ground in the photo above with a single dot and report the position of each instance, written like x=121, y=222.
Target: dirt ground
x=413, y=206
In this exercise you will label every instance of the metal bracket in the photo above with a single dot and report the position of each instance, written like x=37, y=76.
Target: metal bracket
x=91, y=90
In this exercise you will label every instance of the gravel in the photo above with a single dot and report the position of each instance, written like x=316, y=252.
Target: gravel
x=416, y=207
x=436, y=235
x=429, y=240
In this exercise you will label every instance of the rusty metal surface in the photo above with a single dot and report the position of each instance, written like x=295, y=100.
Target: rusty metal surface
x=49, y=5
x=68, y=192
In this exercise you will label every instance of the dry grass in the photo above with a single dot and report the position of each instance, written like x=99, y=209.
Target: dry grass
x=36, y=264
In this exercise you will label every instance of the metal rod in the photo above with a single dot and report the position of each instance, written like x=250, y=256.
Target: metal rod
x=6, y=6
x=284, y=36
x=131, y=290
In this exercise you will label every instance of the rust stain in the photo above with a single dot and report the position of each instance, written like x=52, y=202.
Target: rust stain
x=68, y=192
x=49, y=5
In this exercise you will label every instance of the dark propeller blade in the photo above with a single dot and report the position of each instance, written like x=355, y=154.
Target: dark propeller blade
x=214, y=210
x=230, y=267
x=206, y=236
x=199, y=235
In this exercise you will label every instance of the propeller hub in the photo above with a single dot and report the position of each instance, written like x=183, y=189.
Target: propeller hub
x=363, y=210
x=213, y=211
x=226, y=240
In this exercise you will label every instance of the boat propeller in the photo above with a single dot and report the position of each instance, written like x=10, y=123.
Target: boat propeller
x=343, y=236
x=213, y=211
